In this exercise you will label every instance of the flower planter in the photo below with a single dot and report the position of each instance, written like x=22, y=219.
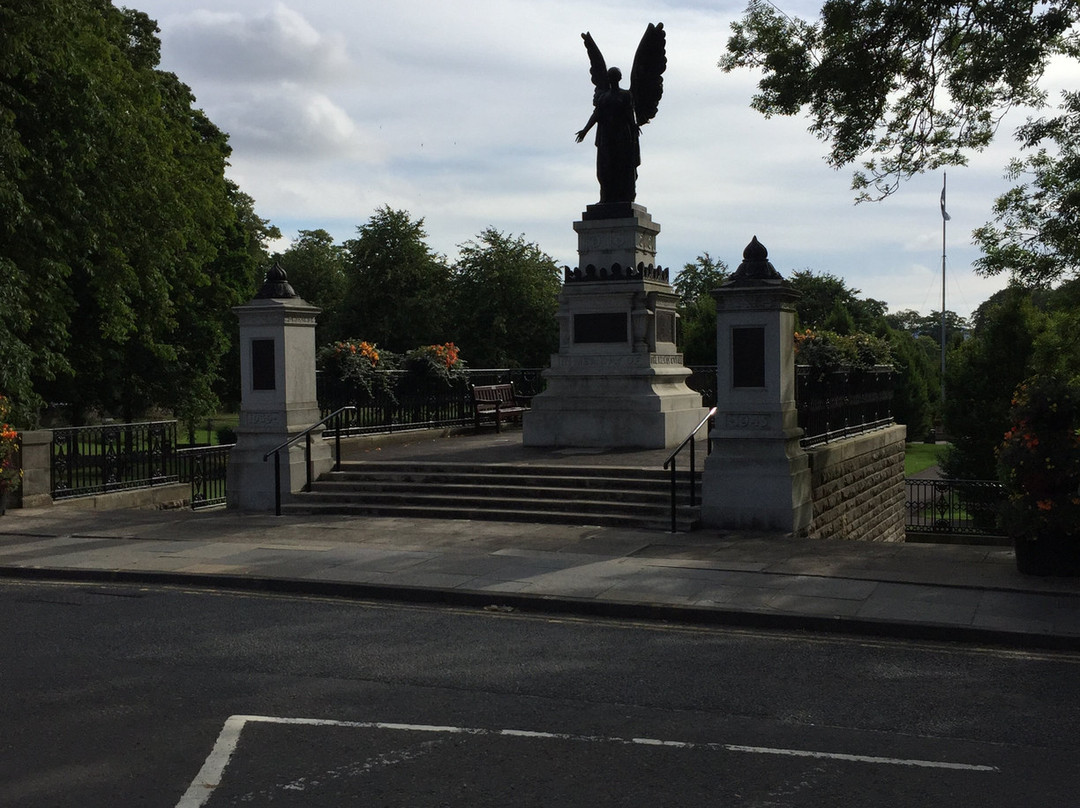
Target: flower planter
x=1048, y=555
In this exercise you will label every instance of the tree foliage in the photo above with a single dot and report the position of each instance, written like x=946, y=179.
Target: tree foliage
x=1036, y=230
x=505, y=293
x=114, y=209
x=904, y=87
x=317, y=270
x=827, y=302
x=697, y=307
x=397, y=288
x=981, y=375
x=698, y=278
x=929, y=325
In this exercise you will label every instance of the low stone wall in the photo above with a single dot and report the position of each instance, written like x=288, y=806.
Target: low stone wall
x=858, y=487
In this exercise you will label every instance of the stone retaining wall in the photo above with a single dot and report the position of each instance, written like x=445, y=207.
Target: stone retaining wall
x=858, y=487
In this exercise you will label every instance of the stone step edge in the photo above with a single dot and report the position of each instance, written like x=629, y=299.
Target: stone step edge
x=553, y=517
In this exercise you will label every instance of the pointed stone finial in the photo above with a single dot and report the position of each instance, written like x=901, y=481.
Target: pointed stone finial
x=755, y=267
x=276, y=285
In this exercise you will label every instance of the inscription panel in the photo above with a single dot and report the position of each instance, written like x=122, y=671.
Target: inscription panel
x=748, y=356
x=665, y=327
x=262, y=365
x=600, y=327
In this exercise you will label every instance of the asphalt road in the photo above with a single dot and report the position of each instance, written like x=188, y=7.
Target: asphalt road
x=117, y=696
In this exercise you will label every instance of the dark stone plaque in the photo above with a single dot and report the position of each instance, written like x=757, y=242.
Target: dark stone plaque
x=665, y=327
x=262, y=365
x=748, y=357
x=600, y=327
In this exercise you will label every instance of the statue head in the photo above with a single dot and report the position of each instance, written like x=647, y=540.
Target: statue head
x=614, y=76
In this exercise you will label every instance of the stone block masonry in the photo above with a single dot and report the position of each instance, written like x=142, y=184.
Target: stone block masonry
x=857, y=487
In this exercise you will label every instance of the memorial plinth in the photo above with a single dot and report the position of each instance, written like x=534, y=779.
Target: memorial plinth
x=618, y=379
x=757, y=475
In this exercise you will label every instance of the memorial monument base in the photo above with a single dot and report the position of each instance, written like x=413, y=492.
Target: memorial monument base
x=618, y=379
x=603, y=402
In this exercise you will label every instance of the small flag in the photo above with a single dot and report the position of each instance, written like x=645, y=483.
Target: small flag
x=944, y=215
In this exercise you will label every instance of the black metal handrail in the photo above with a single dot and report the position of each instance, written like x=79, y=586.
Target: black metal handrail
x=276, y=452
x=692, y=440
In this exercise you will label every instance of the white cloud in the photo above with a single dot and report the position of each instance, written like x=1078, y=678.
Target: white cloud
x=227, y=47
x=289, y=120
x=464, y=115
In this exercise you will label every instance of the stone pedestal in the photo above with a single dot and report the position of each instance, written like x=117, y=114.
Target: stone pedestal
x=758, y=475
x=36, y=488
x=278, y=398
x=618, y=379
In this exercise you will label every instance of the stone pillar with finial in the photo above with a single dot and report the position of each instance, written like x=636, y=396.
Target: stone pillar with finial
x=757, y=476
x=278, y=398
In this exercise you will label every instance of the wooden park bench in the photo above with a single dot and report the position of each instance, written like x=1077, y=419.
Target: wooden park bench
x=497, y=401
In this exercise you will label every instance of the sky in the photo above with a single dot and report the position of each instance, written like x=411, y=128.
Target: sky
x=464, y=115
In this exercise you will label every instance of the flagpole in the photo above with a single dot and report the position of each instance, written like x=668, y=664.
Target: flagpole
x=944, y=218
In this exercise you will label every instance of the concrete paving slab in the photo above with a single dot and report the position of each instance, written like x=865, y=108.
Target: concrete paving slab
x=951, y=592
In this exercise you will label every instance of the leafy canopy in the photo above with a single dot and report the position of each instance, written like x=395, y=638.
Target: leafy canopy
x=397, y=288
x=505, y=296
x=117, y=225
x=904, y=87
x=1037, y=232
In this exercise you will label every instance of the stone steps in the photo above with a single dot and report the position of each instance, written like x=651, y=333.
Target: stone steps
x=616, y=497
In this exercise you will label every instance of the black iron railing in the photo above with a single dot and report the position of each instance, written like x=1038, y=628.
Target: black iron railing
x=399, y=400
x=831, y=405
x=703, y=381
x=90, y=460
x=691, y=441
x=841, y=403
x=954, y=506
x=206, y=468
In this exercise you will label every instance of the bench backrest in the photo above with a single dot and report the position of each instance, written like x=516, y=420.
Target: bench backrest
x=491, y=393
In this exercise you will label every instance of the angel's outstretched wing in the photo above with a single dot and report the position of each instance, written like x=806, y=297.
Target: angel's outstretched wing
x=647, y=77
x=597, y=67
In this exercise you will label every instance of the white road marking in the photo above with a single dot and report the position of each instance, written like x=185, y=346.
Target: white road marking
x=929, y=764
x=209, y=776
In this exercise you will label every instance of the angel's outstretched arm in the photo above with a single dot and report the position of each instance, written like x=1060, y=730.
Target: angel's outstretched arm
x=581, y=133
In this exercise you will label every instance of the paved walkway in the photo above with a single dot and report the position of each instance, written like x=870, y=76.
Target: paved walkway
x=924, y=591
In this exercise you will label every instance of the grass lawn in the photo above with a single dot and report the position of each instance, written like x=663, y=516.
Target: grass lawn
x=205, y=436
x=921, y=456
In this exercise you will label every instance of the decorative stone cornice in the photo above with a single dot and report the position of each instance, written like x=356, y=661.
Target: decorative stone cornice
x=617, y=272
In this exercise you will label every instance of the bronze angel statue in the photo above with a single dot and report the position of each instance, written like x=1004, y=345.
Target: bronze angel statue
x=619, y=114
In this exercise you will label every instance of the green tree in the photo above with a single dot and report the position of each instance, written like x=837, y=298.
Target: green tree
x=115, y=206
x=826, y=301
x=1035, y=235
x=915, y=394
x=505, y=292
x=981, y=375
x=397, y=288
x=235, y=276
x=316, y=267
x=903, y=87
x=698, y=278
x=697, y=307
